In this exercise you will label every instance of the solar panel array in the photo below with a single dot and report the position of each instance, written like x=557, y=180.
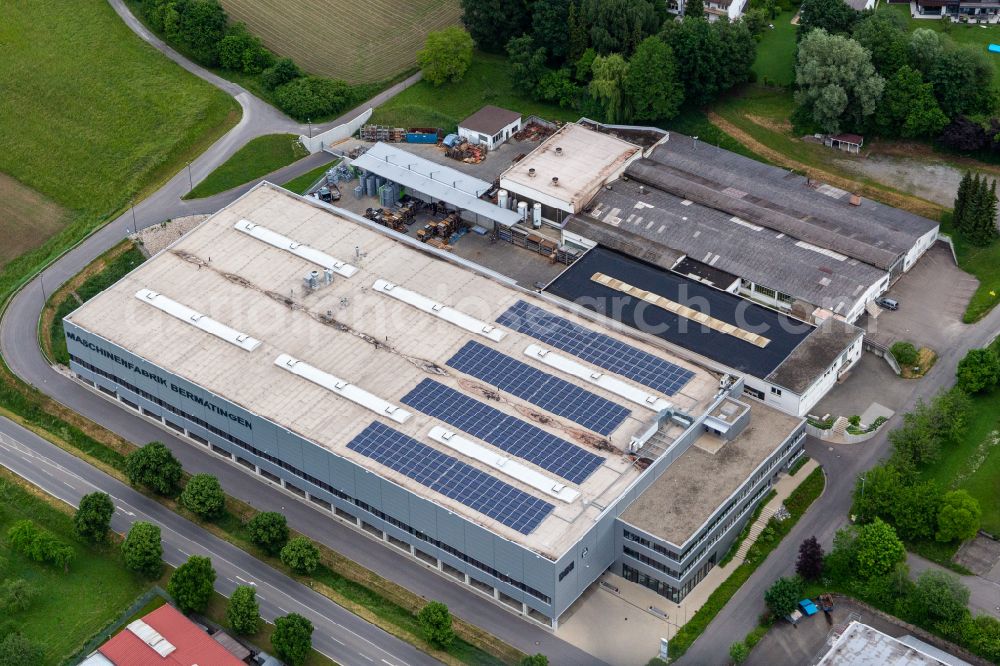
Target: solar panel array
x=516, y=437
x=597, y=348
x=451, y=477
x=540, y=388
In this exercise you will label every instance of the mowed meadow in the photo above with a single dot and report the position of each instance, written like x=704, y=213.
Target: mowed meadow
x=90, y=116
x=360, y=42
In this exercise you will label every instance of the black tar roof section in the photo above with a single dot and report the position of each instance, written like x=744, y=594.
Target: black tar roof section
x=785, y=333
x=489, y=120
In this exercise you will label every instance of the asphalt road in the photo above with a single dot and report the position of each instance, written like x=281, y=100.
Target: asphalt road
x=843, y=465
x=19, y=348
x=339, y=634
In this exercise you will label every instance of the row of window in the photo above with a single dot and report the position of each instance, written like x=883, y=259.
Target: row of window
x=316, y=482
x=565, y=572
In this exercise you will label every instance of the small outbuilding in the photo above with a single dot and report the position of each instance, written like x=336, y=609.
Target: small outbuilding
x=490, y=126
x=849, y=143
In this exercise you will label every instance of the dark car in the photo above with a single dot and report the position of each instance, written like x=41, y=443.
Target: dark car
x=887, y=303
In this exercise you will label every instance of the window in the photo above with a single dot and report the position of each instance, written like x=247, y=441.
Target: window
x=752, y=392
x=565, y=572
x=775, y=390
x=764, y=291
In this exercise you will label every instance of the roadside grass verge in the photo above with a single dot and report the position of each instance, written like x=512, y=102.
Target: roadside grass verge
x=257, y=158
x=98, y=276
x=301, y=184
x=745, y=532
x=797, y=503
x=487, y=81
x=70, y=607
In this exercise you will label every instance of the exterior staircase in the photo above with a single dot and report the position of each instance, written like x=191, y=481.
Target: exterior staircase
x=840, y=426
x=873, y=309
x=755, y=530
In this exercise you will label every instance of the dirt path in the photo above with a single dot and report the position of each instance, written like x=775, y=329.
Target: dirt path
x=913, y=204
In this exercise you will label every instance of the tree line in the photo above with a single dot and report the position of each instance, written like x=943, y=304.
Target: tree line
x=202, y=29
x=620, y=61
x=865, y=72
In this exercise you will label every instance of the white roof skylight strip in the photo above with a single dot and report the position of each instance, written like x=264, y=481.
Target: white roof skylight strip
x=439, y=310
x=317, y=257
x=342, y=388
x=597, y=378
x=197, y=319
x=508, y=466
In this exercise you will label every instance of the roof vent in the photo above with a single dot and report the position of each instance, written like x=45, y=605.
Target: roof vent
x=531, y=172
x=559, y=151
x=555, y=181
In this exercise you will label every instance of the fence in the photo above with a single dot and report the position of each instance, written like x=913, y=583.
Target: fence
x=318, y=142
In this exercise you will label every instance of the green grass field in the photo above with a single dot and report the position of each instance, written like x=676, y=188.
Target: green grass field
x=975, y=465
x=775, y=63
x=257, y=158
x=300, y=184
x=487, y=82
x=70, y=607
x=92, y=116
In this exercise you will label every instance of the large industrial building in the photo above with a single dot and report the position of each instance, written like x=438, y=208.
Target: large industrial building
x=516, y=443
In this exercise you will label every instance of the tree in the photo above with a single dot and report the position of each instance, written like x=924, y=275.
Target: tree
x=16, y=650
x=311, y=97
x=878, y=549
x=446, y=55
x=958, y=517
x=739, y=652
x=557, y=87
x=979, y=370
x=941, y=596
x=915, y=513
x=16, y=595
x=527, y=62
x=300, y=555
x=237, y=41
x=839, y=564
x=39, y=545
x=810, y=562
x=617, y=26
x=905, y=353
x=242, y=611
x=281, y=72
x=201, y=26
x=537, y=659
x=610, y=73
x=834, y=16
x=651, y=87
x=155, y=467
x=191, y=584
x=978, y=224
x=268, y=531
x=203, y=496
x=549, y=23
x=782, y=596
x=925, y=48
x=577, y=39
x=837, y=85
x=711, y=57
x=435, y=623
x=965, y=135
x=493, y=23
x=959, y=209
x=93, y=517
x=927, y=428
x=292, y=638
x=694, y=9
x=908, y=108
x=962, y=80
x=885, y=36
x=142, y=550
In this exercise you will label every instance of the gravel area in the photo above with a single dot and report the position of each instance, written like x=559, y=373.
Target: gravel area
x=157, y=237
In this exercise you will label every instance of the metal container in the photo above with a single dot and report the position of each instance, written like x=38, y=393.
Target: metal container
x=522, y=210
x=502, y=198
x=536, y=216
x=359, y=191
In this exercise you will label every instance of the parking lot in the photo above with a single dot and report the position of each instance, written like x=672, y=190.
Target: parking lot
x=932, y=299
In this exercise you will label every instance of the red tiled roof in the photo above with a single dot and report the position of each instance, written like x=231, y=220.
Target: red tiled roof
x=192, y=645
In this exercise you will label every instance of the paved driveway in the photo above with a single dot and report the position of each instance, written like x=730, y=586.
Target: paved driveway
x=932, y=298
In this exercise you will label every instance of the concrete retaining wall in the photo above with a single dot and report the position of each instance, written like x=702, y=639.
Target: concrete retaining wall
x=320, y=141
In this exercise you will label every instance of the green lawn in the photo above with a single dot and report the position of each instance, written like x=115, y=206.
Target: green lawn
x=70, y=607
x=257, y=158
x=975, y=465
x=487, y=82
x=775, y=63
x=93, y=116
x=302, y=183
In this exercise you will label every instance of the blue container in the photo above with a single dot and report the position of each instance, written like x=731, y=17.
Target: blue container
x=421, y=137
x=451, y=140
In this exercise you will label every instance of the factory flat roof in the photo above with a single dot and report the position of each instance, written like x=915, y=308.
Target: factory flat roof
x=435, y=180
x=862, y=645
x=581, y=159
x=657, y=221
x=703, y=477
x=381, y=347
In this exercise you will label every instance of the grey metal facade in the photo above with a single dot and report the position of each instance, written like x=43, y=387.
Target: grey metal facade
x=518, y=574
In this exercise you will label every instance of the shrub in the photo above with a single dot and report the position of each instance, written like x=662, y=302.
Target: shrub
x=435, y=623
x=203, y=496
x=281, y=72
x=941, y=596
x=16, y=650
x=782, y=596
x=16, y=595
x=878, y=549
x=312, y=97
x=958, y=517
x=39, y=545
x=979, y=370
x=739, y=652
x=268, y=531
x=300, y=555
x=905, y=353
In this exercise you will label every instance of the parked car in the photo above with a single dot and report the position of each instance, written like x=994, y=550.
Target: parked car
x=887, y=303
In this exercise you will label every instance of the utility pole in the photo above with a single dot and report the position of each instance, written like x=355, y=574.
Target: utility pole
x=135, y=227
x=310, y=123
x=190, y=179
